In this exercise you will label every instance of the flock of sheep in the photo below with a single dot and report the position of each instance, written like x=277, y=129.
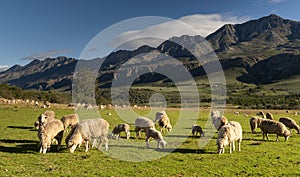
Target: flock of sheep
x=85, y=131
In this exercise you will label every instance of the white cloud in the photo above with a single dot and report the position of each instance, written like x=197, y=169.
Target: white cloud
x=3, y=68
x=200, y=24
x=276, y=1
x=46, y=54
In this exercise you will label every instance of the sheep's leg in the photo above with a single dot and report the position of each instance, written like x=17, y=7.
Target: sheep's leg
x=106, y=142
x=277, y=138
x=239, y=145
x=230, y=146
x=59, y=139
x=127, y=134
x=233, y=146
x=86, y=146
x=158, y=144
x=147, y=142
x=267, y=136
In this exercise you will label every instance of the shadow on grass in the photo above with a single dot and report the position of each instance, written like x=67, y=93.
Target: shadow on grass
x=20, y=127
x=17, y=141
x=23, y=148
x=185, y=151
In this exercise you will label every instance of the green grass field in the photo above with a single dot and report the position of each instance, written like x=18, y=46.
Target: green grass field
x=20, y=157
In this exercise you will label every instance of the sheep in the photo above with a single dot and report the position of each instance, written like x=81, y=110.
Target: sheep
x=87, y=130
x=217, y=120
x=142, y=123
x=269, y=116
x=48, y=132
x=70, y=120
x=155, y=134
x=164, y=123
x=230, y=132
x=120, y=128
x=159, y=115
x=262, y=114
x=290, y=123
x=254, y=122
x=275, y=127
x=47, y=116
x=197, y=129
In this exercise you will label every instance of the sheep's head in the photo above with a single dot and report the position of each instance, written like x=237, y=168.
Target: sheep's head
x=42, y=118
x=221, y=143
x=71, y=146
x=287, y=134
x=169, y=127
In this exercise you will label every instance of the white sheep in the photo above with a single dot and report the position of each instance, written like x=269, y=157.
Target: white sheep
x=121, y=128
x=70, y=120
x=290, y=123
x=87, y=130
x=275, y=127
x=197, y=129
x=217, y=120
x=155, y=134
x=142, y=123
x=254, y=122
x=47, y=132
x=230, y=132
x=269, y=116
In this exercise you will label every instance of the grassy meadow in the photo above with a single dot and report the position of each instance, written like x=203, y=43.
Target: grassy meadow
x=181, y=157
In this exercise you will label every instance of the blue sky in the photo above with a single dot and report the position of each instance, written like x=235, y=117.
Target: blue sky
x=39, y=28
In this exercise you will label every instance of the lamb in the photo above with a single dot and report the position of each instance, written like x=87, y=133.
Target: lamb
x=197, y=129
x=269, y=116
x=255, y=122
x=120, y=128
x=48, y=132
x=87, y=130
x=275, y=127
x=47, y=116
x=290, y=123
x=230, y=132
x=217, y=120
x=143, y=123
x=155, y=134
x=70, y=120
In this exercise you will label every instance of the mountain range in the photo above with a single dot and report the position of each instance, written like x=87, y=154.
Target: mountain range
x=266, y=50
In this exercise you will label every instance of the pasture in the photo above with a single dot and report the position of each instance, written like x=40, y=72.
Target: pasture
x=20, y=157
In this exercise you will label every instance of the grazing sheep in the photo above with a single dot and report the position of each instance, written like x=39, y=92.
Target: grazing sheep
x=217, y=120
x=120, y=128
x=290, y=123
x=262, y=114
x=47, y=116
x=275, y=127
x=197, y=129
x=48, y=132
x=159, y=115
x=254, y=122
x=70, y=120
x=269, y=116
x=230, y=132
x=142, y=123
x=87, y=130
x=155, y=134
x=164, y=123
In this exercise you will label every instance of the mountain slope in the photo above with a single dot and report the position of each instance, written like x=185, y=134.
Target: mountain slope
x=259, y=47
